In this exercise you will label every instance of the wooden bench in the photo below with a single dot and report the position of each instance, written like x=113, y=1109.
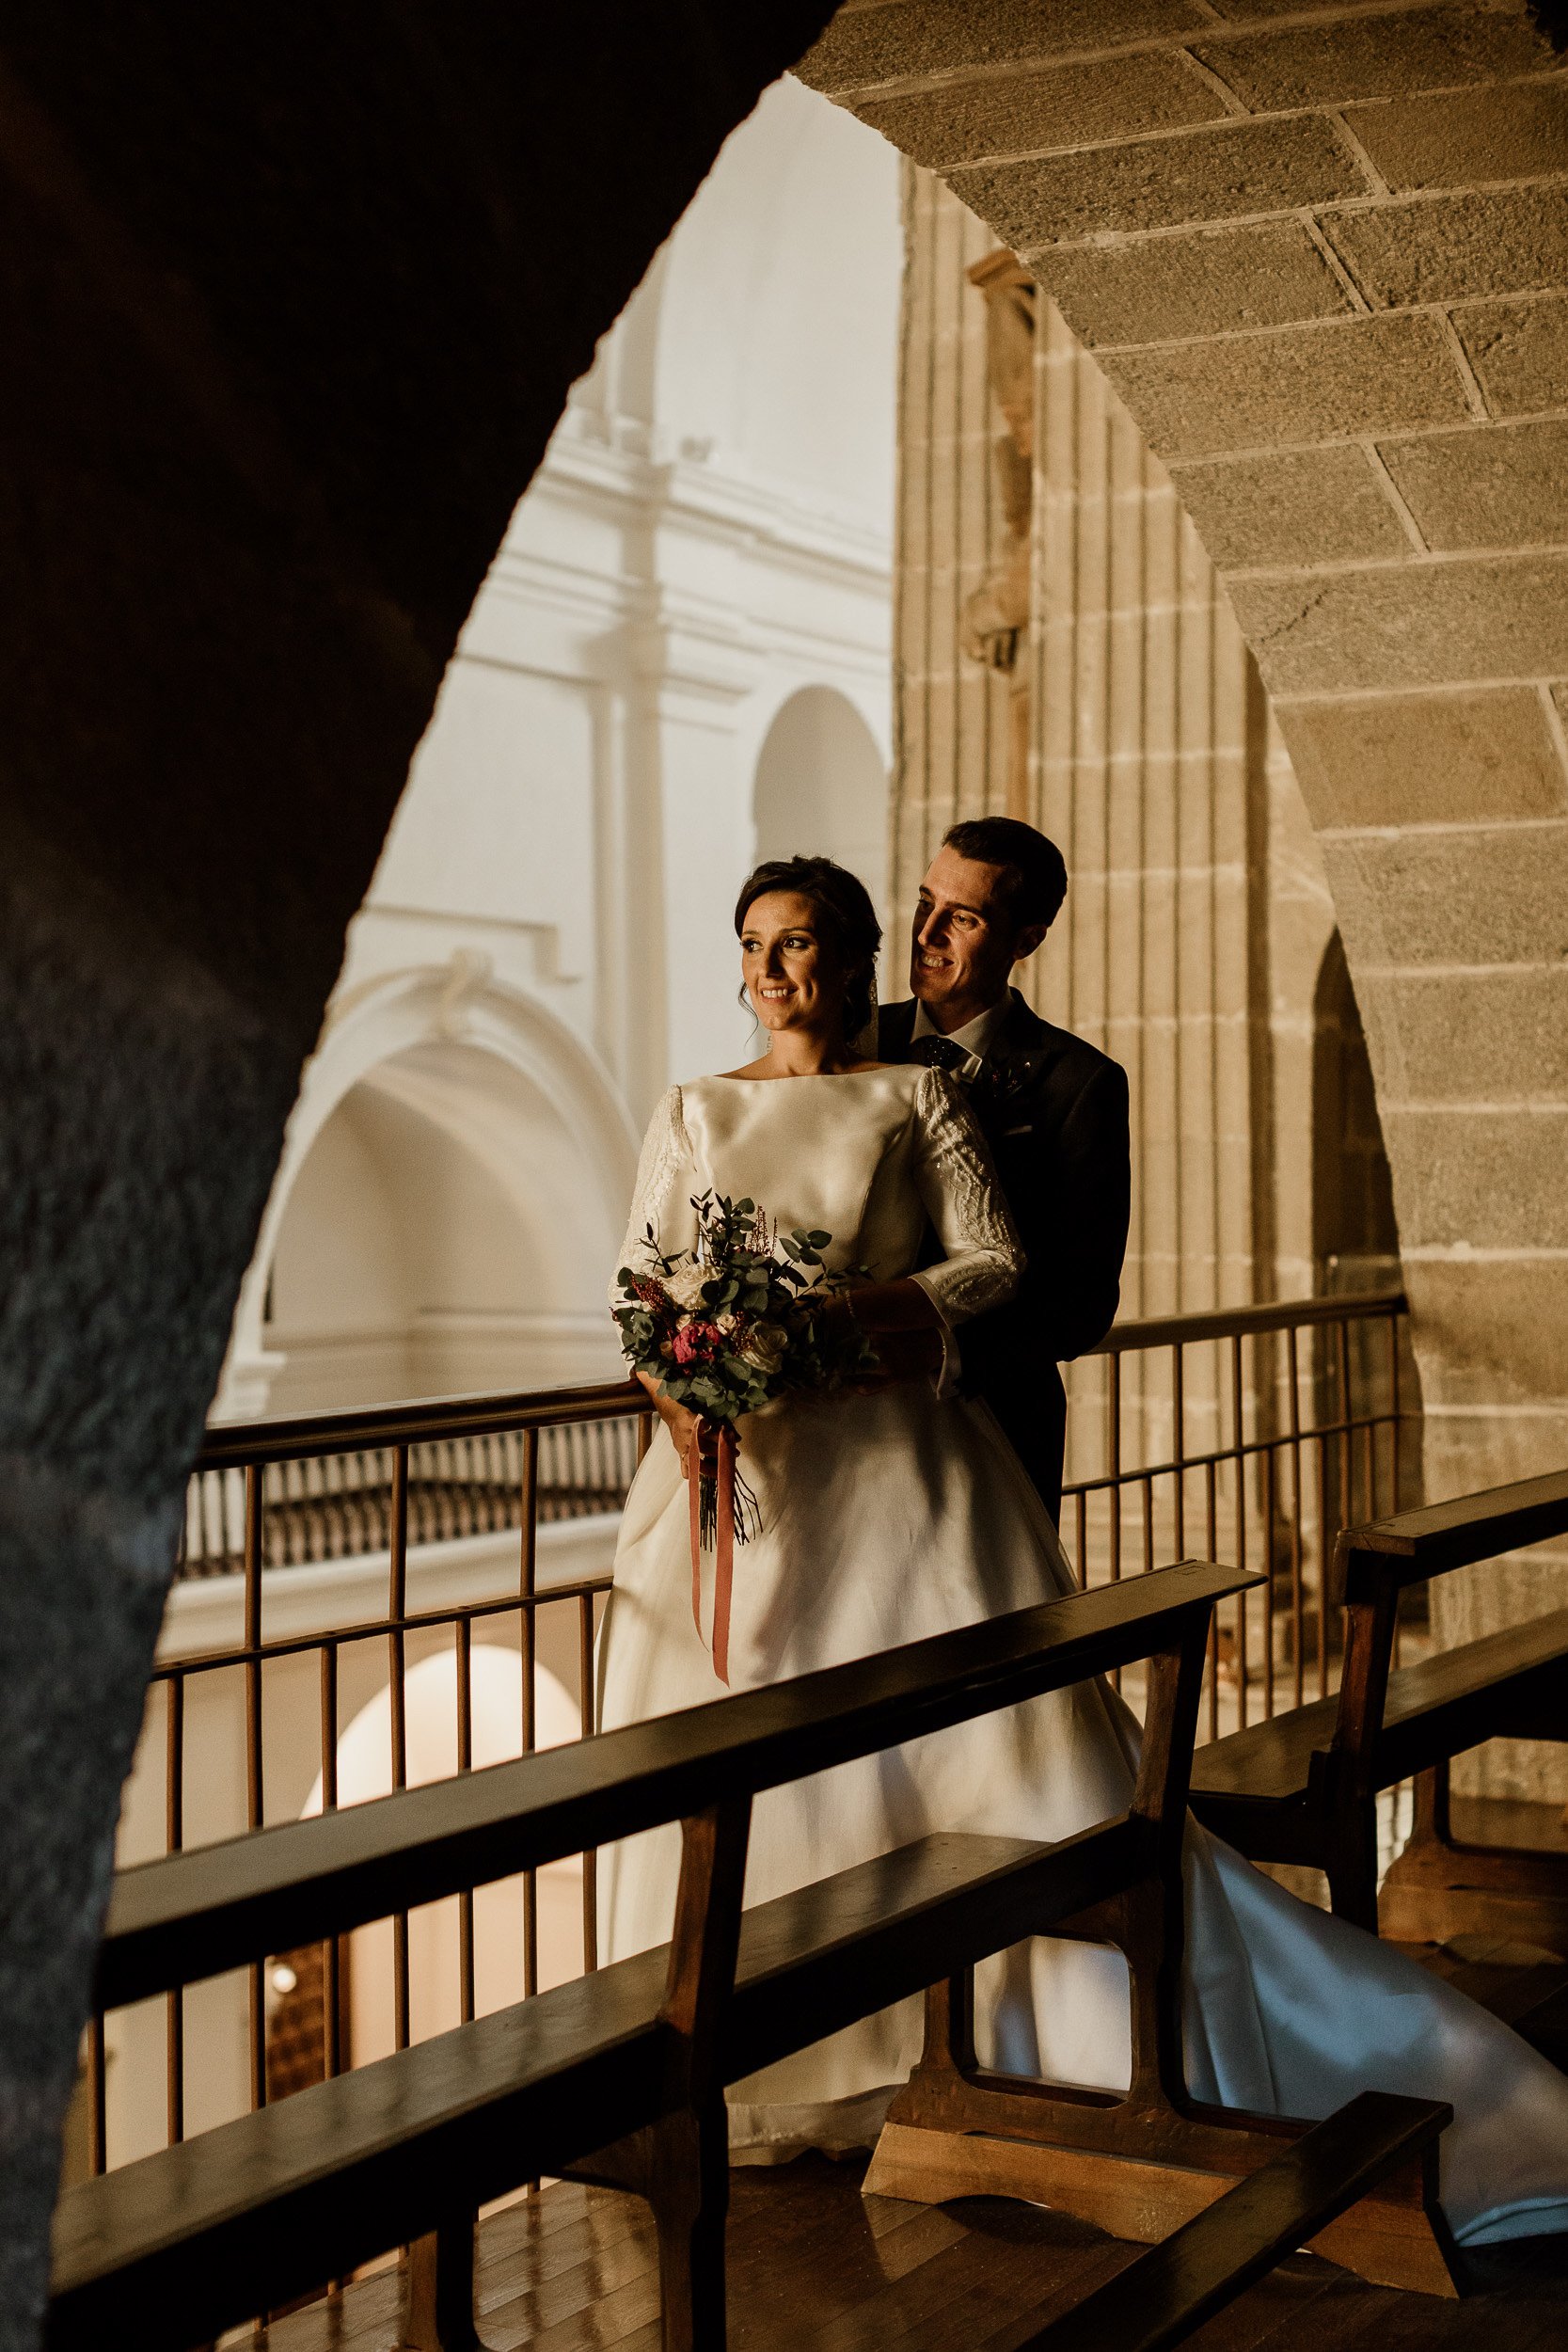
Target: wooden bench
x=1304, y=1786
x=1159, y=2299
x=623, y=2072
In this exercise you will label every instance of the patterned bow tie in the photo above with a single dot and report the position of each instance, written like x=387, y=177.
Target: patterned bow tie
x=940, y=1052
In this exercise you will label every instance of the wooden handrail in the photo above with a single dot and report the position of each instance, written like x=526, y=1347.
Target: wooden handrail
x=195, y=1915
x=1232, y=1322
x=1411, y=1546
x=232, y=1445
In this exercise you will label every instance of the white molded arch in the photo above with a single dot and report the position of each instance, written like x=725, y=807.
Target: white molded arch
x=450, y=1044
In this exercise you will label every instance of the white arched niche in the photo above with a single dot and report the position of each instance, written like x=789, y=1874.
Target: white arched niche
x=437, y=1240
x=821, y=790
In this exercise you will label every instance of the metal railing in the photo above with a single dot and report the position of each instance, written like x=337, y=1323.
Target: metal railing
x=1249, y=1436
x=270, y=1496
x=321, y=1506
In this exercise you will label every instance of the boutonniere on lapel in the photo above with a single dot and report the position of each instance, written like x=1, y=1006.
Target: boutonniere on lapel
x=999, y=1090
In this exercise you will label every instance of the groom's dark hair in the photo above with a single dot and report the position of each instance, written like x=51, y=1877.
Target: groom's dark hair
x=848, y=919
x=1034, y=869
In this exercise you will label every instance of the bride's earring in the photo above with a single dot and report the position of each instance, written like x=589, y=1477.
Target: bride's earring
x=864, y=1046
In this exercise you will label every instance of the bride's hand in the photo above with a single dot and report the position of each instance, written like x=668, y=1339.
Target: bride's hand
x=679, y=1420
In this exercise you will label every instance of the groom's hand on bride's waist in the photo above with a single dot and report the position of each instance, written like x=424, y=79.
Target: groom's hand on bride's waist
x=902, y=1356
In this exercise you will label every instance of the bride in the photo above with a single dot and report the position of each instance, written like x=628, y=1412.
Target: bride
x=901, y=1511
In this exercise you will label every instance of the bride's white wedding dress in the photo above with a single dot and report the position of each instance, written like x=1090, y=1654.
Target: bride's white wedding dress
x=892, y=1516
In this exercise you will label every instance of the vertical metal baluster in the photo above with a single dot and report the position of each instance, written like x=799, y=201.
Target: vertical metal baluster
x=1396, y=1416
x=1211, y=1514
x=1113, y=1448
x=1392, y=1325
x=1347, y=1414
x=1114, y=1466
x=1298, y=1607
x=590, y=1873
x=1179, y=1448
x=466, y=1764
x=174, y=1838
x=1326, y=1556
x=332, y=2055
x=254, y=1480
x=97, y=2104
x=527, y=1580
x=1347, y=1507
x=1237, y=1438
x=1270, y=1504
x=397, y=1609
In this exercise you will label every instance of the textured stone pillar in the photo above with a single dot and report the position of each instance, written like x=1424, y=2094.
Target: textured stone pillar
x=1149, y=772
x=1199, y=914
x=1152, y=762
x=950, y=712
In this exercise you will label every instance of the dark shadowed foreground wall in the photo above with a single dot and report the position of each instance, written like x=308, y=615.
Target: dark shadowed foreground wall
x=293, y=298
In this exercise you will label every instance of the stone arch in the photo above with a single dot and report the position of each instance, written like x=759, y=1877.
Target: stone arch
x=260, y=516
x=1323, y=267
x=1354, y=1234
x=821, y=786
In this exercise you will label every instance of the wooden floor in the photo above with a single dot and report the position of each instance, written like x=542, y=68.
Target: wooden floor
x=813, y=2262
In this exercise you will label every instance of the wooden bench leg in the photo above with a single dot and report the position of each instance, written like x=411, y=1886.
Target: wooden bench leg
x=689, y=2193
x=1350, y=1864
x=1138, y=2168
x=1440, y=1887
x=1159, y=2300
x=438, y=2292
x=680, y=2167
x=681, y=2163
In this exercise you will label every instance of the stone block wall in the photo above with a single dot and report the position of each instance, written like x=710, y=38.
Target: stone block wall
x=1323, y=260
x=1199, y=914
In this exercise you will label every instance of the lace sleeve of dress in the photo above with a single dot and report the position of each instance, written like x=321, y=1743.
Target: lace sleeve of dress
x=664, y=1162
x=957, y=1182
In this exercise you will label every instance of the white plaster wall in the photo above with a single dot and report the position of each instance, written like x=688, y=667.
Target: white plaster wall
x=705, y=552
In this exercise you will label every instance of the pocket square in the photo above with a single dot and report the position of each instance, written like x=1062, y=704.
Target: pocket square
x=1027, y=1129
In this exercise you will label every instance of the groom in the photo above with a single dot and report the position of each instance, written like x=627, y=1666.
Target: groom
x=1053, y=1110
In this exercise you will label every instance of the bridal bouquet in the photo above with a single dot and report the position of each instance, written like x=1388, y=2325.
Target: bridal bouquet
x=724, y=1327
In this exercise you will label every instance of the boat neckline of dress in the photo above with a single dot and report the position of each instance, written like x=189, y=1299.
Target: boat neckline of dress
x=734, y=1078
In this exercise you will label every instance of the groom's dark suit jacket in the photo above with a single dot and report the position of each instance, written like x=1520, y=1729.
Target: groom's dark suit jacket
x=1055, y=1113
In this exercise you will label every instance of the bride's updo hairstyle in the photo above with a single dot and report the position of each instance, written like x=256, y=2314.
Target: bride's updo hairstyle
x=843, y=906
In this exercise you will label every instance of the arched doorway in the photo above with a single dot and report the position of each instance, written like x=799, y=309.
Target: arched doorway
x=821, y=789
x=432, y=1696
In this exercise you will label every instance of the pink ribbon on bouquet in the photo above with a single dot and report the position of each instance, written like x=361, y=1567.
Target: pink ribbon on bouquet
x=724, y=1539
